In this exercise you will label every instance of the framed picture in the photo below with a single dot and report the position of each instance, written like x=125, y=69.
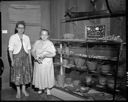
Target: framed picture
x=95, y=32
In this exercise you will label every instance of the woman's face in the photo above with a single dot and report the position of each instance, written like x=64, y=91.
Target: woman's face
x=44, y=35
x=20, y=29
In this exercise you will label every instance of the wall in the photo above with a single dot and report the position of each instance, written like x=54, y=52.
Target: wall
x=57, y=14
x=45, y=23
x=117, y=27
x=58, y=9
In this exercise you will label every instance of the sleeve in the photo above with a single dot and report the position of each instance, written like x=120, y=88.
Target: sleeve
x=11, y=43
x=29, y=44
x=51, y=48
x=34, y=46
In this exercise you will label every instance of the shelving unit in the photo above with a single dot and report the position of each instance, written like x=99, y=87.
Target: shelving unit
x=86, y=56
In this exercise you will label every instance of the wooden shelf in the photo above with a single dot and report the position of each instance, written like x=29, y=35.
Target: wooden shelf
x=97, y=57
x=95, y=15
x=87, y=41
x=61, y=42
x=78, y=16
x=93, y=57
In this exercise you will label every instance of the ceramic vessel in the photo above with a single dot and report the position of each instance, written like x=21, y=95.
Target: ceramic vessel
x=68, y=36
x=91, y=65
x=102, y=80
x=79, y=62
x=105, y=69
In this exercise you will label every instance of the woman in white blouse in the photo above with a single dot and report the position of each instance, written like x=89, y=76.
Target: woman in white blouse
x=19, y=51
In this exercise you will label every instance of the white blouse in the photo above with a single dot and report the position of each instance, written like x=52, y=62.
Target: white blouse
x=15, y=43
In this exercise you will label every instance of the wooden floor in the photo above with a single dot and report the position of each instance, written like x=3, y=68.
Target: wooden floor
x=10, y=95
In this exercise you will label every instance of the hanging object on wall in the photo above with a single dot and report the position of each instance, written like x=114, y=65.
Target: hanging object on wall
x=94, y=32
x=4, y=31
x=108, y=7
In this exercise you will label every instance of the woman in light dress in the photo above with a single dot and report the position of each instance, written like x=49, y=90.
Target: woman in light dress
x=43, y=52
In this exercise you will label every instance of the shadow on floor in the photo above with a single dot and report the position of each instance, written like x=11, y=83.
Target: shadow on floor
x=10, y=95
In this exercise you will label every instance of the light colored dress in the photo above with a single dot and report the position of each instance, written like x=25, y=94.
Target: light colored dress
x=43, y=75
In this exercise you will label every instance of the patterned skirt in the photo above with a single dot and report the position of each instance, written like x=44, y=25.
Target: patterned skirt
x=21, y=71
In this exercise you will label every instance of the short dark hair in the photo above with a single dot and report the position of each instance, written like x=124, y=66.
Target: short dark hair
x=19, y=22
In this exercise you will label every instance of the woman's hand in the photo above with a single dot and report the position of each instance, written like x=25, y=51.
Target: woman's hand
x=39, y=61
x=41, y=58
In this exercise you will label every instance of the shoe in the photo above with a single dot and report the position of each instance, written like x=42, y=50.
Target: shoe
x=25, y=93
x=39, y=92
x=18, y=96
x=48, y=92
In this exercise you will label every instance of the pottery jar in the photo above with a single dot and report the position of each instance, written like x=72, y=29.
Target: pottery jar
x=91, y=65
x=79, y=62
x=105, y=69
x=102, y=80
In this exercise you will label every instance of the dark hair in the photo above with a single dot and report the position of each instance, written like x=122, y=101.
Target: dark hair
x=19, y=22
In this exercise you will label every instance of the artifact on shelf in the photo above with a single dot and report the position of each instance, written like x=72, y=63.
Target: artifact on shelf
x=95, y=32
x=79, y=62
x=68, y=36
x=84, y=89
x=105, y=68
x=68, y=84
x=65, y=62
x=110, y=83
x=102, y=80
x=92, y=65
x=88, y=79
x=76, y=84
x=59, y=50
x=111, y=38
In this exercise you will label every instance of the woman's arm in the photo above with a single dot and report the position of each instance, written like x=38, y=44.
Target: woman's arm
x=33, y=51
x=50, y=51
x=47, y=54
x=30, y=58
x=11, y=57
x=11, y=49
